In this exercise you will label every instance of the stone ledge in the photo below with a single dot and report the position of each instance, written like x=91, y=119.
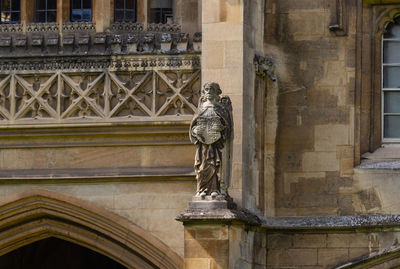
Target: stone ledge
x=219, y=216
x=331, y=222
x=387, y=157
x=172, y=173
x=380, y=2
x=384, y=165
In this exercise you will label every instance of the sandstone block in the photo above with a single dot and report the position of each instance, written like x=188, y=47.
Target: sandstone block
x=320, y=161
x=347, y=240
x=197, y=263
x=309, y=240
x=328, y=137
x=293, y=257
x=332, y=256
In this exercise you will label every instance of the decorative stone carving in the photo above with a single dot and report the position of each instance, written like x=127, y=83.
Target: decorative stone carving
x=210, y=129
x=197, y=37
x=42, y=27
x=163, y=27
x=11, y=28
x=69, y=96
x=78, y=26
x=127, y=26
x=99, y=62
x=86, y=42
x=264, y=66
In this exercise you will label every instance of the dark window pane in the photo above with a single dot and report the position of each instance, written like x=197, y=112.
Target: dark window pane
x=40, y=16
x=130, y=16
x=51, y=16
x=76, y=4
x=119, y=4
x=87, y=3
x=51, y=4
x=161, y=15
x=130, y=4
x=15, y=5
x=155, y=15
x=119, y=16
x=41, y=4
x=5, y=5
x=15, y=16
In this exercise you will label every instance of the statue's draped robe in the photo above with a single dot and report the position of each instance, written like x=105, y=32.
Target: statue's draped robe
x=209, y=157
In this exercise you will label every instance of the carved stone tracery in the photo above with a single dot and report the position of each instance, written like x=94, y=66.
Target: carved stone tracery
x=150, y=91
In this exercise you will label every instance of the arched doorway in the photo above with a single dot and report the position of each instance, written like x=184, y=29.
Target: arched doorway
x=37, y=215
x=53, y=253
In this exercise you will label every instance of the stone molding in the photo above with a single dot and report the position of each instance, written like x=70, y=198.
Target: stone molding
x=132, y=134
x=91, y=63
x=41, y=214
x=98, y=174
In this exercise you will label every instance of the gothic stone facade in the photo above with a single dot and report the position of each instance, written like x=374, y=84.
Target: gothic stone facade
x=94, y=145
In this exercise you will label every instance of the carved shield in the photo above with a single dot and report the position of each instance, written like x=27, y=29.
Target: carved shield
x=208, y=130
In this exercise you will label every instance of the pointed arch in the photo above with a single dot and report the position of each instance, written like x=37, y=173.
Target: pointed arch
x=39, y=214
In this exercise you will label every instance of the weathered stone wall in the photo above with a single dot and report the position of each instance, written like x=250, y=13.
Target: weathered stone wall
x=316, y=77
x=325, y=249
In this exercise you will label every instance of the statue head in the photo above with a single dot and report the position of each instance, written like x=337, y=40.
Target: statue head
x=211, y=92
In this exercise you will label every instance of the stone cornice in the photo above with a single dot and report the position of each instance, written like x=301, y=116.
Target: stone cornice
x=97, y=174
x=331, y=222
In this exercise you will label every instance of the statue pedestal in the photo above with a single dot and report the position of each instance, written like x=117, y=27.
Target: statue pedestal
x=214, y=229
x=208, y=202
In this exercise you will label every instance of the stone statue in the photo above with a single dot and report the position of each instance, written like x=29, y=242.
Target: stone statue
x=210, y=129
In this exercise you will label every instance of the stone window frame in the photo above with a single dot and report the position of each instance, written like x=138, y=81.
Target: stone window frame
x=387, y=89
x=373, y=17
